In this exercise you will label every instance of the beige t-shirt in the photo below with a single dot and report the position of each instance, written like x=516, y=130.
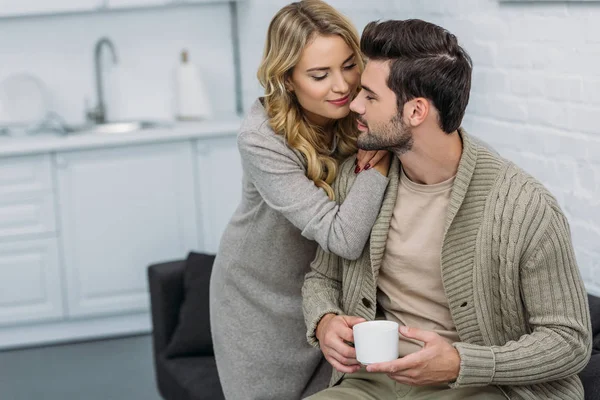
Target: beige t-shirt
x=410, y=289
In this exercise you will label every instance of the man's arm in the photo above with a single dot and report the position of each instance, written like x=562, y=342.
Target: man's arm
x=321, y=292
x=327, y=326
x=555, y=298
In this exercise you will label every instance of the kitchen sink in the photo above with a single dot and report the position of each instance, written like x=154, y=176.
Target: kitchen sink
x=115, y=127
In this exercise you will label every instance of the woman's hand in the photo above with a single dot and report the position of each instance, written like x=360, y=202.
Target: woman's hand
x=380, y=160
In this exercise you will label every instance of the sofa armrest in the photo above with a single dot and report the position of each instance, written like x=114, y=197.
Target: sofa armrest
x=165, y=281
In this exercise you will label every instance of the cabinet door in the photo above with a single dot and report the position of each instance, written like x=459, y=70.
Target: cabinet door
x=30, y=281
x=219, y=187
x=205, y=1
x=137, y=3
x=36, y=7
x=121, y=210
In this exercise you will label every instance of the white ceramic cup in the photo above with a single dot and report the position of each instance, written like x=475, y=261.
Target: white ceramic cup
x=376, y=341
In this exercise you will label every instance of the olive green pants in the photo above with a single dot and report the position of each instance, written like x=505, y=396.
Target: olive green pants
x=377, y=386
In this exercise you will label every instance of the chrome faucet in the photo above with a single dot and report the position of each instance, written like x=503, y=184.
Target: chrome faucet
x=98, y=113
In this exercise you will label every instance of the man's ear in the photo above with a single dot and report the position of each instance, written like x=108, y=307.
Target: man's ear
x=416, y=111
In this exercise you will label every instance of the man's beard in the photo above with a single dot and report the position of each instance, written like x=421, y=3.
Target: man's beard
x=394, y=136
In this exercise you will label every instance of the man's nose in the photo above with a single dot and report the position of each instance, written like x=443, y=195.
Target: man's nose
x=357, y=106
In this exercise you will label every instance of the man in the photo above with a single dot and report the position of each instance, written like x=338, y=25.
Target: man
x=470, y=255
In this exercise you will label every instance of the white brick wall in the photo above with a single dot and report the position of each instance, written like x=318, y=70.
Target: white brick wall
x=536, y=83
x=536, y=90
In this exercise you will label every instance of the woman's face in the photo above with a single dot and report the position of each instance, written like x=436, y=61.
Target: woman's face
x=325, y=79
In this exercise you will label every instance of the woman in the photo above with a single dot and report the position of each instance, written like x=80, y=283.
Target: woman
x=290, y=143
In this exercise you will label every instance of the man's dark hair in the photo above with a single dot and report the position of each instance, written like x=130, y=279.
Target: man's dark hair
x=426, y=61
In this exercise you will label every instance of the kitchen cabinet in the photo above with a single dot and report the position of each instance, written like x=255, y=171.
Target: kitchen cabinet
x=30, y=281
x=12, y=8
x=219, y=187
x=82, y=217
x=26, y=197
x=24, y=8
x=122, y=209
x=116, y=4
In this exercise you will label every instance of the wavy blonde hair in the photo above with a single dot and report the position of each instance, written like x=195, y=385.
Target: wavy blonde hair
x=290, y=31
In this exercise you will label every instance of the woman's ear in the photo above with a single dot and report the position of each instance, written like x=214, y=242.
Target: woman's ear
x=289, y=85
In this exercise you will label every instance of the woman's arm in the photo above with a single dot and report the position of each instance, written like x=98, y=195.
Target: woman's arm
x=280, y=179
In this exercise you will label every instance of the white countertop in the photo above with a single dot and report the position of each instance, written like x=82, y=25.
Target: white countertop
x=49, y=142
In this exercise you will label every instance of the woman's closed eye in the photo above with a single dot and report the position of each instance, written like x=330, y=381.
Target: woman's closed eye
x=321, y=77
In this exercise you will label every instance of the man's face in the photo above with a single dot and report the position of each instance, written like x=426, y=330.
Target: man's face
x=380, y=124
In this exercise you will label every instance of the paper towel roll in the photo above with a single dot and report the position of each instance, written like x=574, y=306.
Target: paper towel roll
x=191, y=97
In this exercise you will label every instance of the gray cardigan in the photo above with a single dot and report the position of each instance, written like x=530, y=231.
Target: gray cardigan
x=256, y=305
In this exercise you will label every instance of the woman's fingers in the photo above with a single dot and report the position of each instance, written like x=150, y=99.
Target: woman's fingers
x=363, y=160
x=378, y=156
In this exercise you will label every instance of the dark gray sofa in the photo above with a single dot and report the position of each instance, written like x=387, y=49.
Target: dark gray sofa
x=194, y=376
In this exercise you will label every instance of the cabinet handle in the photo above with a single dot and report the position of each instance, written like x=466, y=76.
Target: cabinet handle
x=61, y=162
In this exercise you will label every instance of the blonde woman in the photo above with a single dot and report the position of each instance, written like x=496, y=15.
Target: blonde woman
x=291, y=143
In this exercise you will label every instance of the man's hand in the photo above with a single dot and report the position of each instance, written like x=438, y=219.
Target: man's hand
x=334, y=333
x=436, y=363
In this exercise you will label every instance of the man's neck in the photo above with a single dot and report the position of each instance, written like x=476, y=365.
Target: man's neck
x=434, y=158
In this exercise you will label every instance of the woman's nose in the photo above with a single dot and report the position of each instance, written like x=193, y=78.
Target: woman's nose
x=340, y=85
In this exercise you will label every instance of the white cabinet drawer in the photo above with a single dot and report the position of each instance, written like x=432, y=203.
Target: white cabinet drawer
x=27, y=214
x=30, y=282
x=25, y=175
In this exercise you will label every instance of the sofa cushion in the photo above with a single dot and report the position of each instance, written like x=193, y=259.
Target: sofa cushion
x=196, y=376
x=192, y=334
x=595, y=316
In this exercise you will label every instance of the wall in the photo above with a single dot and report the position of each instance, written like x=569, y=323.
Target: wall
x=60, y=50
x=536, y=90
x=536, y=84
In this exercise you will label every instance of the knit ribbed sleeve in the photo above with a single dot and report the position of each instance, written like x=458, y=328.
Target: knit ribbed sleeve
x=559, y=343
x=280, y=177
x=322, y=289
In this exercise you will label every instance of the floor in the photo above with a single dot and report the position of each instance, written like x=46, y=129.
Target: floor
x=115, y=369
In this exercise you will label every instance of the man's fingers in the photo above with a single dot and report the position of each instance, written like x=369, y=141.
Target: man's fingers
x=390, y=367
x=351, y=321
x=340, y=347
x=418, y=334
x=343, y=368
x=346, y=334
x=346, y=361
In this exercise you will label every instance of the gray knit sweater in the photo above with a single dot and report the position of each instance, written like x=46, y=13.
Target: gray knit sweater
x=255, y=293
x=509, y=273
